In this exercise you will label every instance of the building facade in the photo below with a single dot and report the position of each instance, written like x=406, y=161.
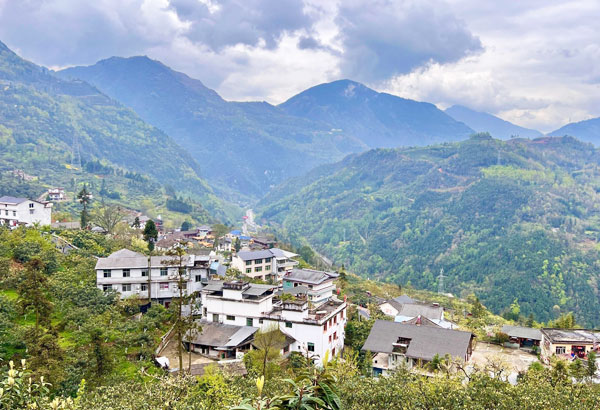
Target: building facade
x=569, y=343
x=264, y=264
x=23, y=211
x=318, y=285
x=131, y=274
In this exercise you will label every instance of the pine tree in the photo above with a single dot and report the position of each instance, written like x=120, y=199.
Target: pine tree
x=150, y=234
x=85, y=199
x=33, y=293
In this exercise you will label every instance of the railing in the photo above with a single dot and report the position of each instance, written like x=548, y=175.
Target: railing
x=164, y=341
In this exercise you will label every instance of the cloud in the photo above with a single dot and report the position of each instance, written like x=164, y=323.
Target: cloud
x=383, y=38
x=223, y=23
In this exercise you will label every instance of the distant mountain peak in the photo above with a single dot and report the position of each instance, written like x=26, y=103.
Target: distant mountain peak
x=586, y=130
x=485, y=122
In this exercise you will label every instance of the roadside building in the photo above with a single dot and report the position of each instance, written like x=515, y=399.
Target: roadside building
x=569, y=343
x=395, y=344
x=317, y=285
x=23, y=211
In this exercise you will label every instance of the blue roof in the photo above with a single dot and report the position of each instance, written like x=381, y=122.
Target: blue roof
x=236, y=232
x=245, y=238
x=214, y=265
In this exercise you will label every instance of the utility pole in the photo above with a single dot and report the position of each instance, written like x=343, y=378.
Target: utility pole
x=150, y=275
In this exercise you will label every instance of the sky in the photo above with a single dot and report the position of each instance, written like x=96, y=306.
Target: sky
x=533, y=62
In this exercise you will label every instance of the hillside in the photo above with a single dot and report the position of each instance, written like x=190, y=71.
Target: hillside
x=377, y=119
x=245, y=148
x=505, y=220
x=41, y=115
x=484, y=122
x=588, y=130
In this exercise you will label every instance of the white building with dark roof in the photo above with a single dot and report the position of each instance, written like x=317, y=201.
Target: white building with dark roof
x=318, y=284
x=264, y=264
x=128, y=273
x=23, y=211
x=314, y=329
x=398, y=344
x=219, y=340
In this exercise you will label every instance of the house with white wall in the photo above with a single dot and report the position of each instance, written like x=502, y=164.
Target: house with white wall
x=315, y=329
x=318, y=285
x=131, y=274
x=23, y=211
x=264, y=264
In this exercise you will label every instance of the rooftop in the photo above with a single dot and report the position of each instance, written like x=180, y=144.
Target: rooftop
x=220, y=335
x=588, y=336
x=417, y=309
x=125, y=258
x=522, y=332
x=310, y=276
x=11, y=200
x=425, y=341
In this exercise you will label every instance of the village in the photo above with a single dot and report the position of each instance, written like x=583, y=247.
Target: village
x=239, y=285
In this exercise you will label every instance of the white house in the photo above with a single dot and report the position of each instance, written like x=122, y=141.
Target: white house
x=23, y=211
x=264, y=264
x=317, y=285
x=57, y=194
x=126, y=272
x=314, y=330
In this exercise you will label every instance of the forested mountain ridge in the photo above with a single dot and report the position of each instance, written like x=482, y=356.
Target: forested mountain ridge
x=588, y=130
x=40, y=114
x=379, y=120
x=514, y=220
x=245, y=148
x=484, y=122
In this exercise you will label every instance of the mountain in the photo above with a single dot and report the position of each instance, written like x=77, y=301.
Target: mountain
x=588, y=130
x=245, y=148
x=484, y=122
x=377, y=119
x=507, y=220
x=44, y=119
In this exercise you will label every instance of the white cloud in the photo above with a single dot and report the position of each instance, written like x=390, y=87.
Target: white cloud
x=536, y=63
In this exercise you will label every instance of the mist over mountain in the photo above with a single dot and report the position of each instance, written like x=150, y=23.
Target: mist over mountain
x=377, y=119
x=588, y=130
x=484, y=122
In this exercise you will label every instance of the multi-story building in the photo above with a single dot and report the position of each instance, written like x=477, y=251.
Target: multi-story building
x=264, y=264
x=317, y=285
x=315, y=330
x=23, y=211
x=130, y=273
x=57, y=194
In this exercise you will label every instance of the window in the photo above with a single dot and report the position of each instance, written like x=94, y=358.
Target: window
x=14, y=213
x=249, y=321
x=258, y=261
x=342, y=314
x=126, y=273
x=198, y=278
x=106, y=273
x=205, y=311
x=249, y=270
x=183, y=286
x=260, y=321
x=144, y=287
x=163, y=271
x=310, y=347
x=329, y=338
x=333, y=351
x=164, y=286
x=335, y=319
x=230, y=317
x=325, y=327
x=215, y=317
x=106, y=288
x=31, y=211
x=334, y=335
x=144, y=272
x=286, y=349
x=248, y=263
x=126, y=287
x=258, y=269
x=267, y=260
x=268, y=267
x=560, y=350
x=288, y=324
x=31, y=206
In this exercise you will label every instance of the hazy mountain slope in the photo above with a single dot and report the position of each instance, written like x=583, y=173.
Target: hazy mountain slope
x=506, y=220
x=40, y=114
x=484, y=122
x=377, y=119
x=588, y=130
x=244, y=147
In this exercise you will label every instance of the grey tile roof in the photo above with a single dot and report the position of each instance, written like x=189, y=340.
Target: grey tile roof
x=522, y=332
x=425, y=341
x=313, y=277
x=12, y=200
x=417, y=309
x=404, y=299
x=572, y=335
x=296, y=290
x=117, y=261
x=220, y=335
x=252, y=255
x=257, y=289
x=213, y=286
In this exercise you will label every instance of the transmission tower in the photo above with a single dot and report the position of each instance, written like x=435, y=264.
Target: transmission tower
x=75, y=153
x=441, y=281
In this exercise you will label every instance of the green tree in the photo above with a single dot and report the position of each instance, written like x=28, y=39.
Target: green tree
x=591, y=365
x=136, y=222
x=186, y=226
x=237, y=244
x=33, y=292
x=150, y=234
x=268, y=344
x=85, y=198
x=107, y=217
